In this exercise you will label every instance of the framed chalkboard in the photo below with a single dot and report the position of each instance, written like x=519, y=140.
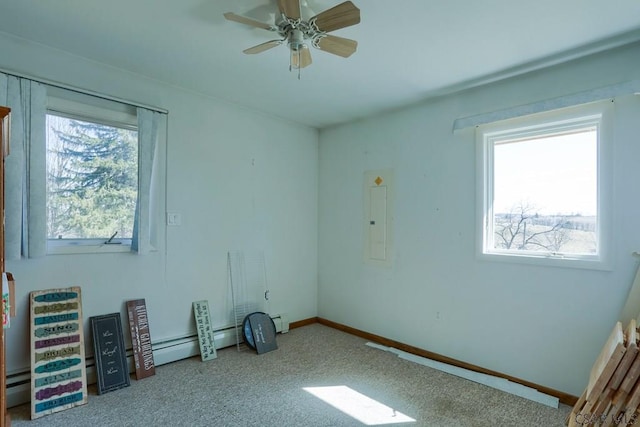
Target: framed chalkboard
x=112, y=370
x=259, y=332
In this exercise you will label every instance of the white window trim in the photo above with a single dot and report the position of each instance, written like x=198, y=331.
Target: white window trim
x=540, y=124
x=89, y=108
x=87, y=246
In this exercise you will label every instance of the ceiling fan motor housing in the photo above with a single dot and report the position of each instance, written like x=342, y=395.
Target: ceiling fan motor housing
x=296, y=39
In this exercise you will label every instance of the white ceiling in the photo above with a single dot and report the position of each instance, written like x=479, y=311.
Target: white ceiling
x=408, y=50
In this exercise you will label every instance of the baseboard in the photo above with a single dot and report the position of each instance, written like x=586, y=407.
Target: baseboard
x=171, y=350
x=567, y=399
x=304, y=322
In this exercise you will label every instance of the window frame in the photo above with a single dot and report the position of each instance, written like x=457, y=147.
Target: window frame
x=547, y=123
x=92, y=109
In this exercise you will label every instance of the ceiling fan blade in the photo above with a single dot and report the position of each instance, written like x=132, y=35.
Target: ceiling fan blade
x=305, y=57
x=262, y=47
x=290, y=8
x=301, y=58
x=337, y=45
x=248, y=21
x=340, y=16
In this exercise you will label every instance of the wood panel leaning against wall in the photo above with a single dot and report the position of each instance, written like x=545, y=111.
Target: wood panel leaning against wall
x=4, y=144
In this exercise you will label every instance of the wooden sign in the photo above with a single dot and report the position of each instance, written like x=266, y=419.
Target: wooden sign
x=58, y=371
x=12, y=295
x=109, y=351
x=6, y=305
x=141, y=338
x=205, y=331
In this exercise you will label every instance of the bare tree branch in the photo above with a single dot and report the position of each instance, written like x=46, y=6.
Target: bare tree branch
x=522, y=227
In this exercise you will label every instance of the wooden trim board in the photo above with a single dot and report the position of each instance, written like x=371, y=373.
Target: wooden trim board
x=5, y=419
x=609, y=357
x=566, y=398
x=631, y=309
x=613, y=393
x=303, y=322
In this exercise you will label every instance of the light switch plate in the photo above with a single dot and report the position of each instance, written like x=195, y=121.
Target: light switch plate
x=174, y=218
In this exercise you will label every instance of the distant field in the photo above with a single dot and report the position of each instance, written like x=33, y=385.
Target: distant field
x=578, y=236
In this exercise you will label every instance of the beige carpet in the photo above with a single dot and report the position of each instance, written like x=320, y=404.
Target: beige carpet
x=245, y=389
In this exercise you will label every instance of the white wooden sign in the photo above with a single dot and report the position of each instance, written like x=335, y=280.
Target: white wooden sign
x=58, y=372
x=205, y=330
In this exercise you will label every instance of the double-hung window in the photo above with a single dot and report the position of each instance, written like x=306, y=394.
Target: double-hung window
x=92, y=174
x=544, y=188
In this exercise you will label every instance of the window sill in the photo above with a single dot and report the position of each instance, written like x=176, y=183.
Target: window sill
x=591, y=263
x=69, y=248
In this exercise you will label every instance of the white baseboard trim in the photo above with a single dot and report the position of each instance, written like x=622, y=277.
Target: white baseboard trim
x=19, y=383
x=488, y=380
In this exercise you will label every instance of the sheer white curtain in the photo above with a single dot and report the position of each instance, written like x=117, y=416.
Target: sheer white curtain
x=25, y=168
x=147, y=139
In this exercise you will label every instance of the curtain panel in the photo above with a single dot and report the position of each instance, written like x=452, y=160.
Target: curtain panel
x=141, y=241
x=25, y=168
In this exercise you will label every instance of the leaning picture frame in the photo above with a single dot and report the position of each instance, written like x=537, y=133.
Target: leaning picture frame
x=112, y=371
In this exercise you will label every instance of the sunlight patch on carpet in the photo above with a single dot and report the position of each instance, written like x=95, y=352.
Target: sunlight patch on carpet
x=364, y=409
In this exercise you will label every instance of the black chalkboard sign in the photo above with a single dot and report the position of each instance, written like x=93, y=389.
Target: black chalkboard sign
x=112, y=370
x=259, y=332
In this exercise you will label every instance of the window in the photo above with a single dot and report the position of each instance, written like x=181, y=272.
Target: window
x=544, y=188
x=35, y=220
x=92, y=175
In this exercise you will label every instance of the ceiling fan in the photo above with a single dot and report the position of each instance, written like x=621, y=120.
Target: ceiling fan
x=299, y=31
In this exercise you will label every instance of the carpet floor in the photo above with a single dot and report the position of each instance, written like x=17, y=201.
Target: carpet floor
x=280, y=388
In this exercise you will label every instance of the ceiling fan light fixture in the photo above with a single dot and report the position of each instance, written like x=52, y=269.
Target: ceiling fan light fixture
x=294, y=59
x=299, y=57
x=300, y=28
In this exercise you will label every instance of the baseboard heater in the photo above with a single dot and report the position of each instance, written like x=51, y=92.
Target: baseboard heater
x=167, y=351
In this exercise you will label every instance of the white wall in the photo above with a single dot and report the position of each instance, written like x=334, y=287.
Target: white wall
x=241, y=181
x=542, y=324
x=244, y=180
